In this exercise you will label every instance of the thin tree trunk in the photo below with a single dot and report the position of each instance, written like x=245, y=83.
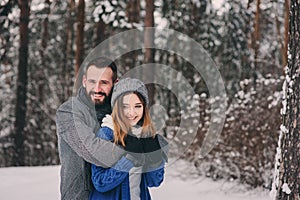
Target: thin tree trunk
x=45, y=36
x=283, y=41
x=21, y=97
x=256, y=28
x=100, y=32
x=286, y=32
x=149, y=41
x=80, y=35
x=289, y=170
x=149, y=34
x=66, y=79
x=133, y=13
x=256, y=38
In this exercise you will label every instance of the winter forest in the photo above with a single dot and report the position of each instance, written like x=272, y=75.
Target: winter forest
x=251, y=136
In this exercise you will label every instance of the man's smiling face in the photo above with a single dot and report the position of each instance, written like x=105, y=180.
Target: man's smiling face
x=98, y=83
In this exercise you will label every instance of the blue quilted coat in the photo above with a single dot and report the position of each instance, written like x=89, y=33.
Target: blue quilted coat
x=113, y=183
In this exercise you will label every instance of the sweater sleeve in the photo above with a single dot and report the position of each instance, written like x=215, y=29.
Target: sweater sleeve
x=73, y=128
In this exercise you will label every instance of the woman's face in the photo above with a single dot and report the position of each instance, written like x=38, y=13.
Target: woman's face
x=133, y=108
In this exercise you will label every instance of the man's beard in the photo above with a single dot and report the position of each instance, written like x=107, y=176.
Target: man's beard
x=103, y=107
x=98, y=102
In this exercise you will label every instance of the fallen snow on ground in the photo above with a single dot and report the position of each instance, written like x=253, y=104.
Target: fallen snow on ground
x=36, y=183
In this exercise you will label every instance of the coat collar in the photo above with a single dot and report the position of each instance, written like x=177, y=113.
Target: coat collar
x=82, y=96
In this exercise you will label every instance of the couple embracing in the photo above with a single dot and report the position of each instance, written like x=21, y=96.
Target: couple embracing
x=108, y=146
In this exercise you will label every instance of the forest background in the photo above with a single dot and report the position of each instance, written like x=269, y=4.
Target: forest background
x=246, y=39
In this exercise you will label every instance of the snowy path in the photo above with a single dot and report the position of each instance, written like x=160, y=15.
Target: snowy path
x=35, y=183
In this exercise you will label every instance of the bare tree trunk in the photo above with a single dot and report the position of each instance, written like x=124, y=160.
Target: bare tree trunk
x=149, y=34
x=100, y=32
x=80, y=35
x=256, y=38
x=45, y=36
x=284, y=41
x=288, y=187
x=22, y=80
x=149, y=41
x=66, y=79
x=286, y=32
x=133, y=13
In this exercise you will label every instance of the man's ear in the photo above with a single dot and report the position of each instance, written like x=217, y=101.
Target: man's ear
x=84, y=81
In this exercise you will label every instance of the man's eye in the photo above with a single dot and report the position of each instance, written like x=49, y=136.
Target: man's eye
x=104, y=82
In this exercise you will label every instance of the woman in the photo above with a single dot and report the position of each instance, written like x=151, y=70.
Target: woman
x=131, y=127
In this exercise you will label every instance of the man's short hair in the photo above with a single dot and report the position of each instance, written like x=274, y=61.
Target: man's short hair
x=102, y=62
x=99, y=62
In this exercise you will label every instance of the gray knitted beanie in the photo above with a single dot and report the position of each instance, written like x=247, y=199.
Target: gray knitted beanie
x=129, y=85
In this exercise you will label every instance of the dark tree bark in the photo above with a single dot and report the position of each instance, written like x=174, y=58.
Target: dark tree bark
x=80, y=35
x=133, y=11
x=284, y=42
x=288, y=187
x=149, y=41
x=256, y=38
x=149, y=34
x=67, y=64
x=45, y=37
x=286, y=32
x=100, y=32
x=20, y=111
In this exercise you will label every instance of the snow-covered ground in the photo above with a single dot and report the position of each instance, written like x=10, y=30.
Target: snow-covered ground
x=36, y=183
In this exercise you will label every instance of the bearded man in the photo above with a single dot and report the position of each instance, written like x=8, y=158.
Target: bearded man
x=77, y=121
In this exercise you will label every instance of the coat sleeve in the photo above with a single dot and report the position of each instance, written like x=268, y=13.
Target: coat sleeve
x=105, y=133
x=106, y=179
x=72, y=127
x=155, y=178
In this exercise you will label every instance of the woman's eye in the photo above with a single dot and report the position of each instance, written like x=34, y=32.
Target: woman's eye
x=138, y=106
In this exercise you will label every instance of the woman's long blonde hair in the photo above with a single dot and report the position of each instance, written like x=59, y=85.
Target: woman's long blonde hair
x=121, y=125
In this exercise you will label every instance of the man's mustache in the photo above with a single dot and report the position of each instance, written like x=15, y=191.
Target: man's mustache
x=99, y=93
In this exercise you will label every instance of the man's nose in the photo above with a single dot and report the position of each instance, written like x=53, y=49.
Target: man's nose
x=98, y=87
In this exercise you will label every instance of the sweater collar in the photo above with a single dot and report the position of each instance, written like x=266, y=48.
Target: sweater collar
x=82, y=95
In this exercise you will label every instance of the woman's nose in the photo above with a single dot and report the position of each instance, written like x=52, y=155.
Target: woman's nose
x=130, y=111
